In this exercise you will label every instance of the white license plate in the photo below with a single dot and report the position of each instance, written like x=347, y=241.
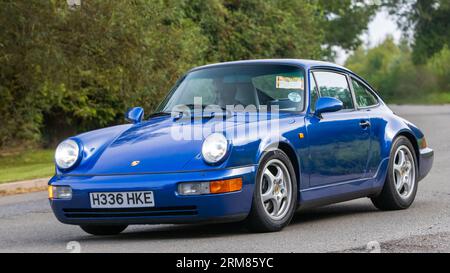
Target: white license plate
x=135, y=199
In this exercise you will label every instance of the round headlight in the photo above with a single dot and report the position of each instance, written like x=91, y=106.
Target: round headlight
x=67, y=154
x=214, y=148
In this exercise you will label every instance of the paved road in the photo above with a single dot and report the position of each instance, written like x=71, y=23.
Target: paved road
x=27, y=225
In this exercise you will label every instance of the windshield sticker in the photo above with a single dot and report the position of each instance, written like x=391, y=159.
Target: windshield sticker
x=290, y=82
x=294, y=97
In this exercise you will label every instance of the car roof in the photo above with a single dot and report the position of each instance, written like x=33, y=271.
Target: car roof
x=306, y=64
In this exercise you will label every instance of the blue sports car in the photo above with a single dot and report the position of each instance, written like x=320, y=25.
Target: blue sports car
x=249, y=141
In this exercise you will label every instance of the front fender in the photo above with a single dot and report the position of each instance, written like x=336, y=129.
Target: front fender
x=248, y=150
x=271, y=144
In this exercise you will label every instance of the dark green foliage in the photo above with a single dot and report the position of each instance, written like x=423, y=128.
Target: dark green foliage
x=345, y=21
x=428, y=20
x=66, y=70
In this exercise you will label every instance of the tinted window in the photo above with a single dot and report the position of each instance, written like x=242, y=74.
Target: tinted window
x=364, y=97
x=334, y=85
x=314, y=94
x=284, y=89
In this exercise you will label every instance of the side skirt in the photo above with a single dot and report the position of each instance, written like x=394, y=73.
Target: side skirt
x=344, y=191
x=337, y=198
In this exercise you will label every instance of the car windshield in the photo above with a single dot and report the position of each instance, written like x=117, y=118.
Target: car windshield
x=262, y=86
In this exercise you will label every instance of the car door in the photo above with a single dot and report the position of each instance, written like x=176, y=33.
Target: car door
x=367, y=101
x=339, y=142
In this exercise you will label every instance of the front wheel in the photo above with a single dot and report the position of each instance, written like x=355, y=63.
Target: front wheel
x=400, y=187
x=275, y=195
x=100, y=230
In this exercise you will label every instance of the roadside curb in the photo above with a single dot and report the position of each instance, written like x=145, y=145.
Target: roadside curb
x=39, y=184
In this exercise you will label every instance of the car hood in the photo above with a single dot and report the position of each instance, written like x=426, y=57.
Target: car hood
x=147, y=147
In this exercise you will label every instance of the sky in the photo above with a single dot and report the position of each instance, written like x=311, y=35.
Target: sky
x=381, y=26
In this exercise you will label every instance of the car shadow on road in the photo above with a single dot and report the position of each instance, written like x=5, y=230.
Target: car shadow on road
x=181, y=231
x=331, y=212
x=204, y=231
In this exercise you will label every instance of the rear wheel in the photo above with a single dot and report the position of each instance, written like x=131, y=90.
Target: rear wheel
x=400, y=187
x=275, y=194
x=103, y=230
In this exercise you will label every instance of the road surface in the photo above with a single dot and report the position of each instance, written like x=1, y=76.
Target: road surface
x=27, y=224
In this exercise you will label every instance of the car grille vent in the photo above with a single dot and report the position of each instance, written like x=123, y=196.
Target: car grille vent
x=131, y=212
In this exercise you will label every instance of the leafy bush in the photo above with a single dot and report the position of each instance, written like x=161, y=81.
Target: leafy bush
x=65, y=70
x=390, y=69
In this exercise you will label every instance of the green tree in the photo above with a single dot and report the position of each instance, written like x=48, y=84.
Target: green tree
x=429, y=22
x=257, y=28
x=344, y=21
x=439, y=63
x=67, y=70
x=390, y=69
x=64, y=70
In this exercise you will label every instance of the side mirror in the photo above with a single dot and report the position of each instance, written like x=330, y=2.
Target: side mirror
x=327, y=105
x=135, y=114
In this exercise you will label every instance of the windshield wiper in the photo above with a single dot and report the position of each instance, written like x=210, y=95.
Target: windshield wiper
x=159, y=114
x=222, y=112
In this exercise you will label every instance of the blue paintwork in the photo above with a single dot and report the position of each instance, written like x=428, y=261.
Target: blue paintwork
x=337, y=160
x=327, y=105
x=135, y=114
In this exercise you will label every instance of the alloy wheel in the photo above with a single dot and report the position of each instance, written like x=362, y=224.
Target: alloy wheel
x=276, y=189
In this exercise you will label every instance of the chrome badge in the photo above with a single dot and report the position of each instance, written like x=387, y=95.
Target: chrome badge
x=135, y=163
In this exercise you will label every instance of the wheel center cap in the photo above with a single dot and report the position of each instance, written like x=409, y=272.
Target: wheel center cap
x=276, y=189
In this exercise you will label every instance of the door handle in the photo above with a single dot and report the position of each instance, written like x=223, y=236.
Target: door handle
x=364, y=124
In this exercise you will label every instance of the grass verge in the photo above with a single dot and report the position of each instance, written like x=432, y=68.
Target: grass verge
x=429, y=99
x=31, y=164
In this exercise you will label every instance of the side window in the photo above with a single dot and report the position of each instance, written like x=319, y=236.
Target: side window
x=334, y=85
x=314, y=93
x=285, y=90
x=364, y=98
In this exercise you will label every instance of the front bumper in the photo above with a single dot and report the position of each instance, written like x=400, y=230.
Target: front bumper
x=426, y=162
x=169, y=206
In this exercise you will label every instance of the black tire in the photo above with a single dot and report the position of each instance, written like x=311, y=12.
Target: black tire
x=390, y=198
x=258, y=220
x=100, y=230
